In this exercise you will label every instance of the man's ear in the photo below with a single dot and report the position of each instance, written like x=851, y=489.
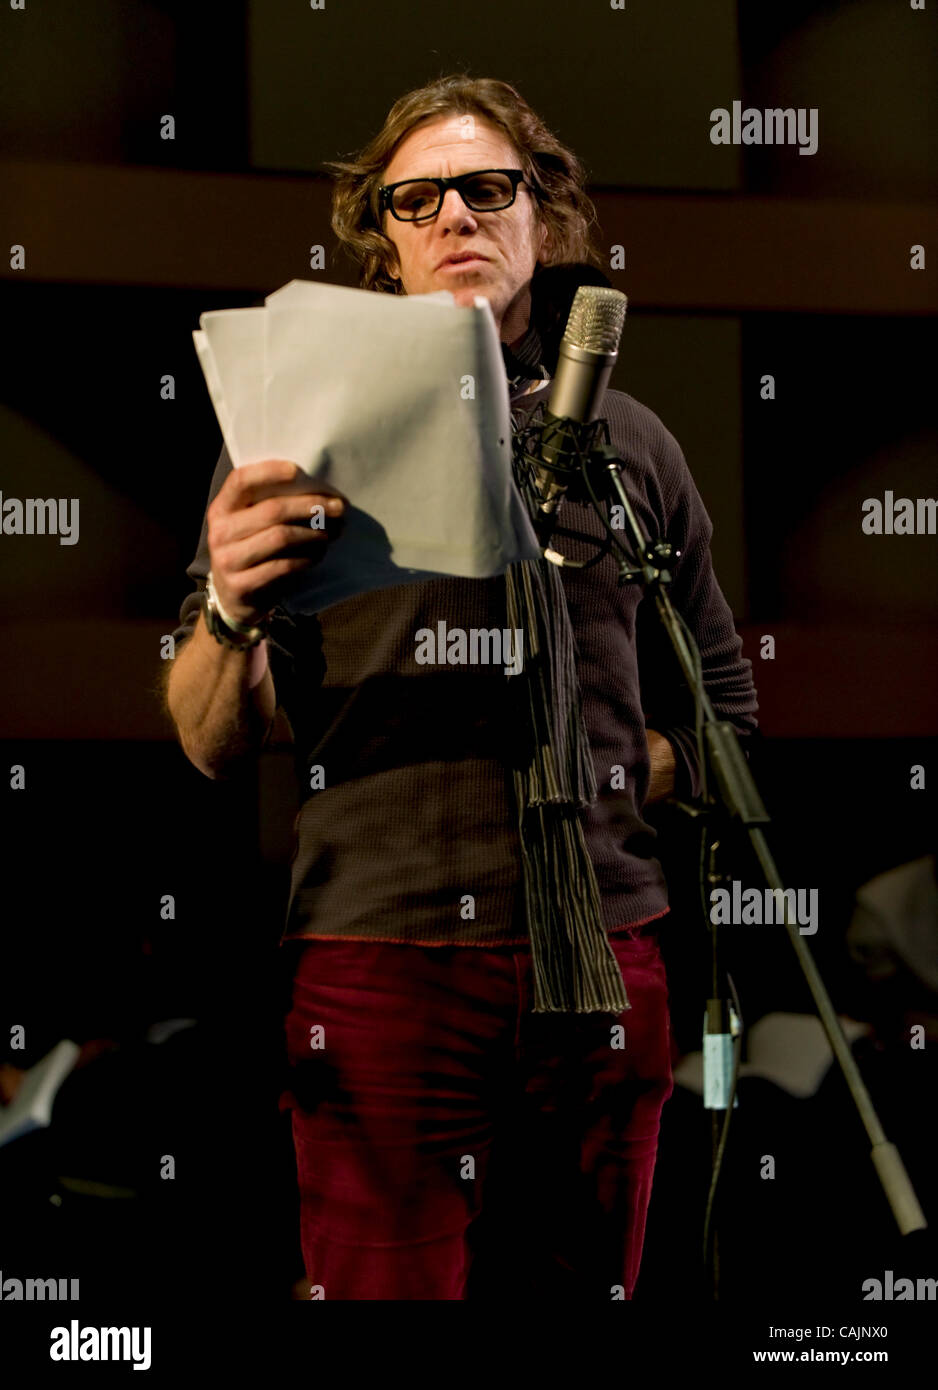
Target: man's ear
x=546, y=244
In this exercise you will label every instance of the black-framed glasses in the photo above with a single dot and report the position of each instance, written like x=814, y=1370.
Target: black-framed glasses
x=482, y=190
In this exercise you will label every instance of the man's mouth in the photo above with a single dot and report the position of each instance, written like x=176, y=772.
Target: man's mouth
x=462, y=258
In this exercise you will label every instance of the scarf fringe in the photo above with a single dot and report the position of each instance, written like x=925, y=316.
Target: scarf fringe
x=575, y=969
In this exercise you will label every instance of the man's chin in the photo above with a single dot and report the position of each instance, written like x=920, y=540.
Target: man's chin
x=466, y=295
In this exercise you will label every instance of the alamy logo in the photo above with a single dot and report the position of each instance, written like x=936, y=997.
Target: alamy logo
x=775, y=125
x=899, y=516
x=37, y=1290
x=40, y=516
x=74, y=1343
x=480, y=645
x=900, y=1290
x=746, y=907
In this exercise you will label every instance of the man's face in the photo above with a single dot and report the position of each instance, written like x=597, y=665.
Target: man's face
x=509, y=240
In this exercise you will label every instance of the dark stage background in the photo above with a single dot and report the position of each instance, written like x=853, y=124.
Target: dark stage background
x=739, y=262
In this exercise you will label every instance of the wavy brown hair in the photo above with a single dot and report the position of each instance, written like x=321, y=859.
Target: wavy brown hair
x=554, y=173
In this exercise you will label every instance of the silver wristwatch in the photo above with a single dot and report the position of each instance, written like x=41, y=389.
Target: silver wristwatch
x=236, y=636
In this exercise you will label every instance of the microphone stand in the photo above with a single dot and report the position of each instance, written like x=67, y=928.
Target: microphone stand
x=729, y=792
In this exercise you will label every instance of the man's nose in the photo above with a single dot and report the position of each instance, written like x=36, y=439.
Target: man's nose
x=454, y=212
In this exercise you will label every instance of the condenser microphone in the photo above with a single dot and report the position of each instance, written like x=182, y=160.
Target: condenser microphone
x=588, y=352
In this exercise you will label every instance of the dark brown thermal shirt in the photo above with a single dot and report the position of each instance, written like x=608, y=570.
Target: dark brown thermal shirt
x=415, y=827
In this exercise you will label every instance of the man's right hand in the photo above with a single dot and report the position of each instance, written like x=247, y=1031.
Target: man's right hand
x=264, y=527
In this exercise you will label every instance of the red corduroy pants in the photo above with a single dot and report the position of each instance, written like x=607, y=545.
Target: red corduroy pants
x=450, y=1144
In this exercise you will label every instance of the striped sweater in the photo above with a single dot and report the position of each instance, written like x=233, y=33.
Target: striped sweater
x=409, y=831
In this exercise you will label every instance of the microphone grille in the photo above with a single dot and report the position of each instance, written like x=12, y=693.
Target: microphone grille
x=597, y=318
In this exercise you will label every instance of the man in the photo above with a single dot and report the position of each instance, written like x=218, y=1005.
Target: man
x=424, y=1088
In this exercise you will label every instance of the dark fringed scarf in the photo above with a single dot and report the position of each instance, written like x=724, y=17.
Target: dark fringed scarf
x=575, y=970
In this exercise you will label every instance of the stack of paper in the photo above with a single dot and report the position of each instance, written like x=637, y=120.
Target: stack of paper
x=397, y=403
